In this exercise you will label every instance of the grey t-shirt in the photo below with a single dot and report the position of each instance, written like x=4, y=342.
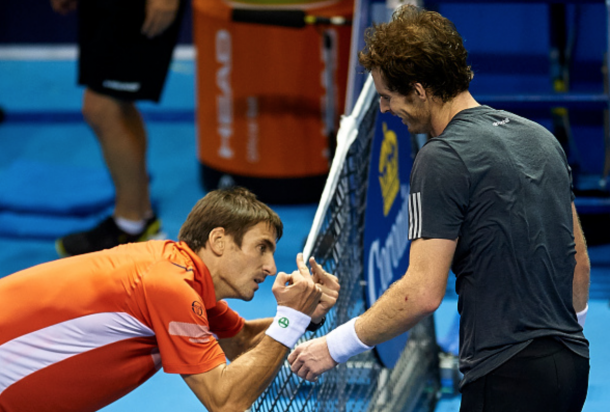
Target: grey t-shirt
x=501, y=185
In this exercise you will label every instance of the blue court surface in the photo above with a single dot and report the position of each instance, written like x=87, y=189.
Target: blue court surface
x=44, y=129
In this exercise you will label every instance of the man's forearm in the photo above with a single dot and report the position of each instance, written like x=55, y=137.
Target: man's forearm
x=237, y=385
x=253, y=373
x=251, y=335
x=257, y=332
x=399, y=309
x=580, y=293
x=413, y=297
x=580, y=285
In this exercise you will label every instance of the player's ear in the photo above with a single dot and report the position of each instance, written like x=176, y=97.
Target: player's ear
x=420, y=91
x=217, y=239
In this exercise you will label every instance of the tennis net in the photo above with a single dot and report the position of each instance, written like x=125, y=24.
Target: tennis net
x=336, y=241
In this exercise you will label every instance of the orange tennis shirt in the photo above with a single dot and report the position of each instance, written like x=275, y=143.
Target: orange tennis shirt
x=79, y=333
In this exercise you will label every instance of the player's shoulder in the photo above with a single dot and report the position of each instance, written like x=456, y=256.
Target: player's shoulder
x=440, y=150
x=160, y=261
x=159, y=252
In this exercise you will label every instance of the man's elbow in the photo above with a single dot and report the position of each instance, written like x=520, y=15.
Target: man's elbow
x=224, y=397
x=228, y=404
x=430, y=304
x=232, y=407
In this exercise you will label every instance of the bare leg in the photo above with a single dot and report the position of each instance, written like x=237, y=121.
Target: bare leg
x=120, y=130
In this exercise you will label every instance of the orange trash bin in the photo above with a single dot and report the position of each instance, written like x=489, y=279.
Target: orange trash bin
x=262, y=98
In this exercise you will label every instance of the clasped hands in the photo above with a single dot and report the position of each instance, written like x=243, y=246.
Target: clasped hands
x=311, y=358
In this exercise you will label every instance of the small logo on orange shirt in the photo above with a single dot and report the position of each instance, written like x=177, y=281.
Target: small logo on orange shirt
x=197, y=308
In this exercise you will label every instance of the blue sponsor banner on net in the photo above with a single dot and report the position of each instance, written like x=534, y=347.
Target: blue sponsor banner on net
x=386, y=243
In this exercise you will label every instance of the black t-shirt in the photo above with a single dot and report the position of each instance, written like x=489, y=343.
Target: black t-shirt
x=501, y=185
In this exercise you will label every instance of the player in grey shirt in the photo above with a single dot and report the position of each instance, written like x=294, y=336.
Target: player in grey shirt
x=500, y=184
x=491, y=198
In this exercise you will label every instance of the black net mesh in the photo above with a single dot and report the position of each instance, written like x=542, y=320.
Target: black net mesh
x=361, y=384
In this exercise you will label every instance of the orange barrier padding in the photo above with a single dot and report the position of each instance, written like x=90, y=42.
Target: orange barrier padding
x=262, y=92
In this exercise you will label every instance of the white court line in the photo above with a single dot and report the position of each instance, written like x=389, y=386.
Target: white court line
x=67, y=52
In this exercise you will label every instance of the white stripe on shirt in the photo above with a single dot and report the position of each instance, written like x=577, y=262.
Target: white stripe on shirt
x=198, y=333
x=29, y=353
x=415, y=220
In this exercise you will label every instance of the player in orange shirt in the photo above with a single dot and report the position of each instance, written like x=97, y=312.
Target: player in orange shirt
x=79, y=333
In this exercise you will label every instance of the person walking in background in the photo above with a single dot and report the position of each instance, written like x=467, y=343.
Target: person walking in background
x=491, y=198
x=125, y=48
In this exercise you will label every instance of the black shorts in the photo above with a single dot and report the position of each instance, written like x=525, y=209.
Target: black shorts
x=546, y=376
x=115, y=59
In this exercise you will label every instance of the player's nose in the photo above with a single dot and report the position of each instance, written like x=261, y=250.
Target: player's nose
x=269, y=266
x=384, y=107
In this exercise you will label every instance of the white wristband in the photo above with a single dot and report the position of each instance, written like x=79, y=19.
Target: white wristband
x=288, y=326
x=582, y=315
x=343, y=342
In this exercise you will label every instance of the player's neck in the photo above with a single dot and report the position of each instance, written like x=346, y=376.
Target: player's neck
x=445, y=111
x=211, y=261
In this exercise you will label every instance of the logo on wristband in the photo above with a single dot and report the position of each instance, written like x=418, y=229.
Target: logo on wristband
x=283, y=322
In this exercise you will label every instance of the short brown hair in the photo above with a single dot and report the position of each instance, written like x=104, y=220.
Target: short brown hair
x=418, y=46
x=235, y=209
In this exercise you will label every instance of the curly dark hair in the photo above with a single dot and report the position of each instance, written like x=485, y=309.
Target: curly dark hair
x=418, y=46
x=235, y=209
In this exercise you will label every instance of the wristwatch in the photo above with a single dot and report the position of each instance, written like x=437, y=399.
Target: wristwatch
x=315, y=326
